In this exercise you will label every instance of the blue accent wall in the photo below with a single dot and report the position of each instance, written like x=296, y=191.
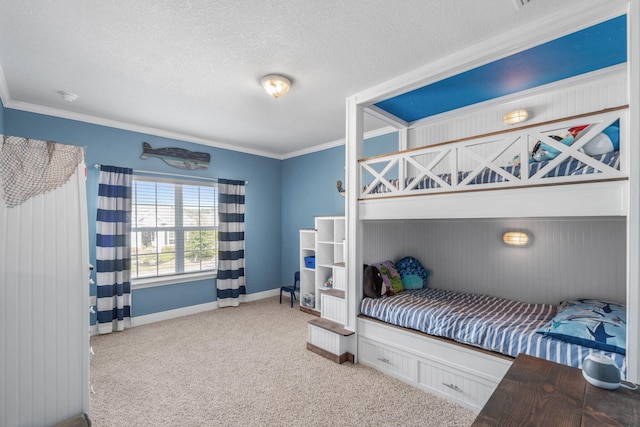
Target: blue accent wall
x=1, y=118
x=309, y=190
x=282, y=196
x=117, y=147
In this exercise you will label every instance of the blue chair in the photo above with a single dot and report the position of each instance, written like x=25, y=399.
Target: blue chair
x=292, y=289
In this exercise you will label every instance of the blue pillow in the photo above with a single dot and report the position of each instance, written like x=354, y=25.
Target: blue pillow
x=590, y=323
x=412, y=281
x=411, y=266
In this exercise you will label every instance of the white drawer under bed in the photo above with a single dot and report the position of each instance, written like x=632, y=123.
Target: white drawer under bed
x=455, y=372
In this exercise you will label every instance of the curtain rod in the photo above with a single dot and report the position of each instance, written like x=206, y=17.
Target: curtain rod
x=97, y=166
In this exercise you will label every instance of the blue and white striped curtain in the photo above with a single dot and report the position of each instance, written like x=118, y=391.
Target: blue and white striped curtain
x=230, y=282
x=113, y=249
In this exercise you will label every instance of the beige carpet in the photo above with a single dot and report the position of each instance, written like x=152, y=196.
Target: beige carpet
x=246, y=366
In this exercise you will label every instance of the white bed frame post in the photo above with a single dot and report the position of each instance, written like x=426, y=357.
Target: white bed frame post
x=353, y=152
x=403, y=144
x=633, y=217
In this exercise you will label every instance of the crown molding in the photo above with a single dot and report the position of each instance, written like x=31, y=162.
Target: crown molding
x=337, y=143
x=86, y=118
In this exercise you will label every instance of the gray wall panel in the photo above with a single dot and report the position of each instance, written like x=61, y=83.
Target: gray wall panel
x=568, y=257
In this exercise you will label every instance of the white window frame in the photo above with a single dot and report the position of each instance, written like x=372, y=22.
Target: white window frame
x=180, y=277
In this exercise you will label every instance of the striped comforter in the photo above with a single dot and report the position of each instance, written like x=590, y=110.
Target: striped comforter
x=495, y=324
x=568, y=167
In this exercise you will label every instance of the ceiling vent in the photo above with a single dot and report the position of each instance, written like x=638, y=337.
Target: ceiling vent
x=522, y=3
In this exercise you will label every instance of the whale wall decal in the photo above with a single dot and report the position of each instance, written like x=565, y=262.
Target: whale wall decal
x=177, y=157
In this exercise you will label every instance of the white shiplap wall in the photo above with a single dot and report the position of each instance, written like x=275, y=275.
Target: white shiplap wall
x=579, y=95
x=44, y=307
x=568, y=258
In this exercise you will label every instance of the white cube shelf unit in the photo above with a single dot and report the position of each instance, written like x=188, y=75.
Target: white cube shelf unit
x=326, y=244
x=307, y=274
x=327, y=335
x=330, y=234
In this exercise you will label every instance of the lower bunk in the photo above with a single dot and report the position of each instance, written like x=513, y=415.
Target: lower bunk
x=459, y=346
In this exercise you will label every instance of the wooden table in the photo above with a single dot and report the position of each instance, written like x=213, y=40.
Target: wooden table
x=536, y=392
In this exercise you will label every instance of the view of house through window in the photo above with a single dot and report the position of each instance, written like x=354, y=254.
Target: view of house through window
x=174, y=227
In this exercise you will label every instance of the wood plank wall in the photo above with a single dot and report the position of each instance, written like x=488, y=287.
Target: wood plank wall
x=583, y=94
x=44, y=307
x=568, y=257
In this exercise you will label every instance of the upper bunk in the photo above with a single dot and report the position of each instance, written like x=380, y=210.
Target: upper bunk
x=574, y=166
x=457, y=159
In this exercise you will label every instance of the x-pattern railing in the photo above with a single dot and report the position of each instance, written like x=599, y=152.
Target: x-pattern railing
x=440, y=163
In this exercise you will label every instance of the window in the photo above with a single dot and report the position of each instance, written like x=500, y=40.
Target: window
x=174, y=227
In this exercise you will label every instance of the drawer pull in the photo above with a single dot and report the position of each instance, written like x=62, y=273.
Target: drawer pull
x=451, y=386
x=384, y=360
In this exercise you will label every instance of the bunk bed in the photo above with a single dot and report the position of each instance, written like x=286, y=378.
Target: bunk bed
x=545, y=169
x=423, y=336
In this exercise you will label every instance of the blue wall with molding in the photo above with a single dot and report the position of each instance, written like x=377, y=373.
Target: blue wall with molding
x=1, y=118
x=110, y=146
x=282, y=196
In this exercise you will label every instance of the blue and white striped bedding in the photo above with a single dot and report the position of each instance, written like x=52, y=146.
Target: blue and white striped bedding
x=495, y=324
x=568, y=167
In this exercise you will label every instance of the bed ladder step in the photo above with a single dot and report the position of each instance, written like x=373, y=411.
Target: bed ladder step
x=330, y=340
x=330, y=325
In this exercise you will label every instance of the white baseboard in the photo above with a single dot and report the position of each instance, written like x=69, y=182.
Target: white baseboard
x=260, y=295
x=192, y=309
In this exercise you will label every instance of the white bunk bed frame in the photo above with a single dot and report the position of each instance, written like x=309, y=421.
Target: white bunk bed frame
x=459, y=373
x=513, y=197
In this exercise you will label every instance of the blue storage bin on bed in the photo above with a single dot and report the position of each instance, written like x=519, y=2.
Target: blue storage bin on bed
x=310, y=261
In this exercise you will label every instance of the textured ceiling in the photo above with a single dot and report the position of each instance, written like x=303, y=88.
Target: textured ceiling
x=191, y=69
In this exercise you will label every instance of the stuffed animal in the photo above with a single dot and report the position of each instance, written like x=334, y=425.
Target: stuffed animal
x=390, y=277
x=329, y=282
x=412, y=273
x=373, y=285
x=605, y=142
x=542, y=151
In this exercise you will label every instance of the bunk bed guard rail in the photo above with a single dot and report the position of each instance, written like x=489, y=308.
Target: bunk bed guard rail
x=553, y=152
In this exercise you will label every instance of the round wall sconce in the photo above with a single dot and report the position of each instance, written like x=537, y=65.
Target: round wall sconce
x=516, y=238
x=515, y=117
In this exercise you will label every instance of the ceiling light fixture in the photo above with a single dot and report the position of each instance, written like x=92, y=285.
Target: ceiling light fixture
x=67, y=96
x=275, y=85
x=514, y=117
